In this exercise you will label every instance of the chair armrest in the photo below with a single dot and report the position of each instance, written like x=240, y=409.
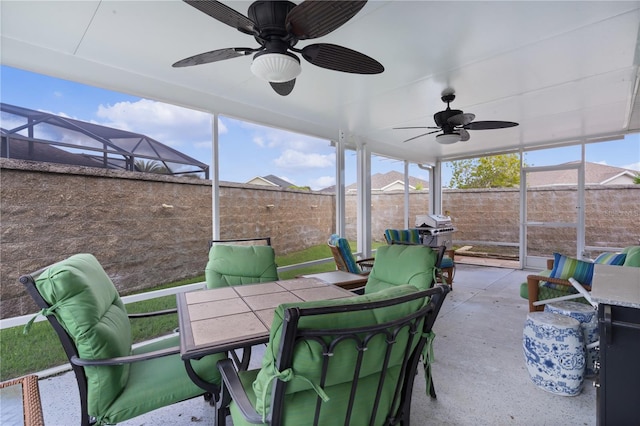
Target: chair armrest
x=232, y=384
x=358, y=290
x=154, y=313
x=125, y=359
x=533, y=288
x=536, y=279
x=366, y=263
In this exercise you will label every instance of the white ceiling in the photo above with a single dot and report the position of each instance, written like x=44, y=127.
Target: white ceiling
x=566, y=71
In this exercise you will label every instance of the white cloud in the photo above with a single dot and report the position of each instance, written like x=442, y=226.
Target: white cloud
x=292, y=159
x=259, y=140
x=270, y=137
x=322, y=182
x=169, y=124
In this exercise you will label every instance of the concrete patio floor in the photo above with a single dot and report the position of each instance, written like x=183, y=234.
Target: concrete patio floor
x=479, y=371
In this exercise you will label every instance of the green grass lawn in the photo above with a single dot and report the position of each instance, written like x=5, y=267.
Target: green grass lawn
x=40, y=349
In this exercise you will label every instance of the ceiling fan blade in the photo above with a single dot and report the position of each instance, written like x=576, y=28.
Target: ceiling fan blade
x=419, y=136
x=489, y=125
x=461, y=119
x=215, y=56
x=283, y=89
x=340, y=58
x=225, y=14
x=419, y=127
x=313, y=18
x=464, y=135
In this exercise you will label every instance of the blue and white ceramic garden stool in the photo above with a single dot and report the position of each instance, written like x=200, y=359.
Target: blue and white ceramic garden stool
x=588, y=317
x=553, y=347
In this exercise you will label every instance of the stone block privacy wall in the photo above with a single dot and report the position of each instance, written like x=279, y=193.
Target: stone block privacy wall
x=293, y=219
x=611, y=215
x=144, y=229
x=151, y=229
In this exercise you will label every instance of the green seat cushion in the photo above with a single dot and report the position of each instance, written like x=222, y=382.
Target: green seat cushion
x=231, y=265
x=633, y=256
x=300, y=399
x=246, y=378
x=402, y=264
x=160, y=382
x=545, y=293
x=524, y=292
x=87, y=305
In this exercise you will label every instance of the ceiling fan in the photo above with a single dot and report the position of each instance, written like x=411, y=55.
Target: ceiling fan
x=277, y=26
x=454, y=124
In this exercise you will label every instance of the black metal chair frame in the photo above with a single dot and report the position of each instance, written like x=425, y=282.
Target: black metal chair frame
x=78, y=364
x=292, y=335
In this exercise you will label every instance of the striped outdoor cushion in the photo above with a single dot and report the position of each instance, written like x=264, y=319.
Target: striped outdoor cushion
x=565, y=267
x=410, y=236
x=611, y=258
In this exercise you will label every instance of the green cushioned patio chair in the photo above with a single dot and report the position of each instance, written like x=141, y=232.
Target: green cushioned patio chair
x=447, y=265
x=237, y=262
x=240, y=261
x=115, y=381
x=348, y=361
x=399, y=264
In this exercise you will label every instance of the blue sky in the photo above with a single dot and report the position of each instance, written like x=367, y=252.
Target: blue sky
x=300, y=159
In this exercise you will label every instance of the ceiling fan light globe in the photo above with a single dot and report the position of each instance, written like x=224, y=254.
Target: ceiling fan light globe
x=276, y=67
x=448, y=138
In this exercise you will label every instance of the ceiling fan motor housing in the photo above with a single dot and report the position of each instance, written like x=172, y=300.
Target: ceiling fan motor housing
x=270, y=18
x=441, y=118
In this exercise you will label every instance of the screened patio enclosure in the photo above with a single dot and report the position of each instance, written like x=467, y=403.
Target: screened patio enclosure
x=546, y=65
x=28, y=134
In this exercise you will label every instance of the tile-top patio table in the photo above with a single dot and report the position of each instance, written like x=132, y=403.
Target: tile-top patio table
x=346, y=280
x=228, y=318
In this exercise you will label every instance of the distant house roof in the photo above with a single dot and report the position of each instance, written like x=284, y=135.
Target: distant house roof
x=385, y=182
x=390, y=181
x=594, y=174
x=28, y=134
x=270, y=180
